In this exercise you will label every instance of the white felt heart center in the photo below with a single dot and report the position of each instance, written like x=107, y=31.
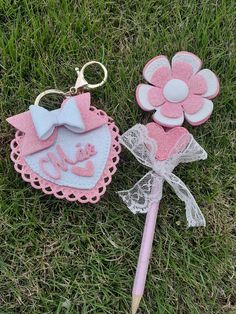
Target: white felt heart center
x=175, y=90
x=74, y=147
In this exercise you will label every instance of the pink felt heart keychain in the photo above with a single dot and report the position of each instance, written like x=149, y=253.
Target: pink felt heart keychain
x=70, y=152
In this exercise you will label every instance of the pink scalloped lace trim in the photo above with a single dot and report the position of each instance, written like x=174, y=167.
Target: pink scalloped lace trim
x=71, y=194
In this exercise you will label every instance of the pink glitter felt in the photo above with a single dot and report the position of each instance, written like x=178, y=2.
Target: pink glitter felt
x=86, y=171
x=167, y=110
x=161, y=76
x=31, y=142
x=156, y=97
x=182, y=71
x=193, y=104
x=168, y=142
x=63, y=192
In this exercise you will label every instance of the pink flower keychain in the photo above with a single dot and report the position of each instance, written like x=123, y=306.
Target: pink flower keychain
x=177, y=92
x=70, y=152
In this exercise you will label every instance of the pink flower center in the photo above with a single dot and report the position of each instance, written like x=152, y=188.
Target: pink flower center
x=175, y=90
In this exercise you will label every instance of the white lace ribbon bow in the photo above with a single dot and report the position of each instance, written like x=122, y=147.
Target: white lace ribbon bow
x=148, y=190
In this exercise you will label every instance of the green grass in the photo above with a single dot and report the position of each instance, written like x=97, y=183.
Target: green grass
x=60, y=257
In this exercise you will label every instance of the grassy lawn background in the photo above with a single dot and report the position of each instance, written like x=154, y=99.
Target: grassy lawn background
x=61, y=257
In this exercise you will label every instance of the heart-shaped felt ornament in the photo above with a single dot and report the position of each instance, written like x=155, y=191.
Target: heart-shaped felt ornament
x=69, y=152
x=168, y=142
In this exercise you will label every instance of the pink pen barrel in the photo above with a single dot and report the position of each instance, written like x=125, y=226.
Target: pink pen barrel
x=144, y=255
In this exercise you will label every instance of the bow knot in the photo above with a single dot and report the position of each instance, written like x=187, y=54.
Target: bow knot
x=46, y=121
x=163, y=168
x=148, y=190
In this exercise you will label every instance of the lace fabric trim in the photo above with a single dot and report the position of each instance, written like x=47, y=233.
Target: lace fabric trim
x=149, y=189
x=141, y=196
x=63, y=192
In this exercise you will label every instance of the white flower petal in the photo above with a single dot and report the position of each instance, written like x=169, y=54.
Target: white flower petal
x=202, y=115
x=142, y=97
x=165, y=121
x=188, y=57
x=154, y=64
x=212, y=82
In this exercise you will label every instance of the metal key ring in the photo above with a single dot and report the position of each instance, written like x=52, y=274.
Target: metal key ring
x=81, y=82
x=91, y=86
x=46, y=92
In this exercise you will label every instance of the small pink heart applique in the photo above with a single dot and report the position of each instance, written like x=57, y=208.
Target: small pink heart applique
x=168, y=142
x=87, y=171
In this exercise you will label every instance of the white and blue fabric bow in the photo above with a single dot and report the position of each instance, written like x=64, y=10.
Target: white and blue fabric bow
x=46, y=121
x=148, y=190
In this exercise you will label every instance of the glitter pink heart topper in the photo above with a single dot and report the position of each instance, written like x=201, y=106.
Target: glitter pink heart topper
x=70, y=152
x=170, y=142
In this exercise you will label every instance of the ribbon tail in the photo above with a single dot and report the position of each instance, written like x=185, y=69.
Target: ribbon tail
x=194, y=215
x=30, y=142
x=138, y=142
x=144, y=193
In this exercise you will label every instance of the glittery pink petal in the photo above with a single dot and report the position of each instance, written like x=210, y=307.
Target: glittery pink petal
x=161, y=76
x=212, y=82
x=202, y=115
x=153, y=65
x=155, y=96
x=188, y=57
x=142, y=96
x=159, y=118
x=197, y=85
x=171, y=110
x=193, y=104
x=182, y=70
